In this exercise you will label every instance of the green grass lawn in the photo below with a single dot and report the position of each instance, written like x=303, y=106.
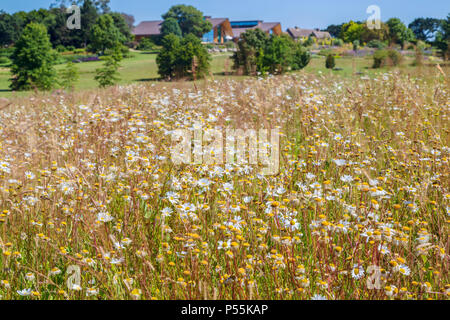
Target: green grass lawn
x=142, y=67
x=139, y=67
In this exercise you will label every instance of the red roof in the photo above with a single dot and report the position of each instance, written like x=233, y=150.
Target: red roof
x=148, y=28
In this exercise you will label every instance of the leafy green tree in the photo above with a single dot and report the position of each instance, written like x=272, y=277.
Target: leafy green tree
x=399, y=33
x=33, y=59
x=167, y=58
x=335, y=30
x=442, y=41
x=425, y=28
x=122, y=25
x=170, y=25
x=368, y=35
x=180, y=58
x=190, y=20
x=351, y=31
x=108, y=75
x=69, y=76
x=9, y=29
x=330, y=62
x=250, y=53
x=301, y=57
x=146, y=45
x=105, y=35
x=278, y=54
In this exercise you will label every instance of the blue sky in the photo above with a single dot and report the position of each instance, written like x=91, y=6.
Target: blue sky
x=302, y=13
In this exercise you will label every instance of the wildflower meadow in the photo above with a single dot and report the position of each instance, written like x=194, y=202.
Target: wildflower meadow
x=92, y=205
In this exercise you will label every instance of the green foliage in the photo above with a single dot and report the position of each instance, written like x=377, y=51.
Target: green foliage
x=105, y=35
x=121, y=24
x=376, y=44
x=69, y=76
x=351, y=31
x=301, y=57
x=249, y=57
x=398, y=32
x=33, y=59
x=9, y=28
x=170, y=25
x=257, y=53
x=442, y=41
x=190, y=20
x=181, y=58
x=108, y=74
x=388, y=57
x=335, y=29
x=368, y=35
x=356, y=45
x=278, y=55
x=330, y=62
x=425, y=28
x=146, y=45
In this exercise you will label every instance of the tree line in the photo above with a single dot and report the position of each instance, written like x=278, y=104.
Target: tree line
x=435, y=32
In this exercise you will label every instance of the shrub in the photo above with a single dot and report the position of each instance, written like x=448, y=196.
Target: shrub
x=60, y=48
x=277, y=54
x=301, y=57
x=389, y=57
x=33, y=59
x=330, y=62
x=108, y=74
x=69, y=76
x=377, y=44
x=181, y=58
x=146, y=45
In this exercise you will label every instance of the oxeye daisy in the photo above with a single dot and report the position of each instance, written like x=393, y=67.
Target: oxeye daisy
x=357, y=272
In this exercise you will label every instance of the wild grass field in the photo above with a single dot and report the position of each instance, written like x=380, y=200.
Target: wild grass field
x=358, y=210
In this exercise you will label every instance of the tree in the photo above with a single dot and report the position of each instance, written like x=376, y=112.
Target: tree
x=167, y=58
x=180, y=58
x=399, y=33
x=129, y=19
x=121, y=24
x=108, y=74
x=105, y=35
x=69, y=76
x=33, y=59
x=351, y=31
x=330, y=62
x=170, y=25
x=190, y=20
x=368, y=35
x=425, y=28
x=9, y=29
x=335, y=30
x=301, y=57
x=249, y=56
x=442, y=41
x=278, y=54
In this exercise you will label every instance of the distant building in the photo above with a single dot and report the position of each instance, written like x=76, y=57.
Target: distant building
x=147, y=29
x=303, y=34
x=221, y=30
x=240, y=27
x=220, y=33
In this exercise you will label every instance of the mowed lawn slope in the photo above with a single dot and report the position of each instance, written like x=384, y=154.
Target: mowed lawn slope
x=139, y=67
